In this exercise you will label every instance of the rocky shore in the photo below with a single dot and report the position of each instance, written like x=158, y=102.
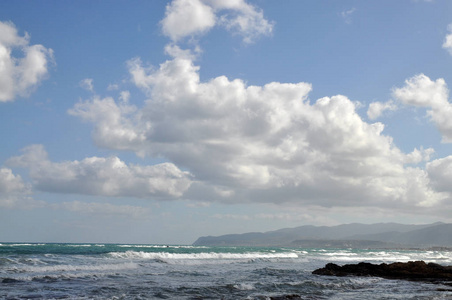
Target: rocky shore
x=413, y=270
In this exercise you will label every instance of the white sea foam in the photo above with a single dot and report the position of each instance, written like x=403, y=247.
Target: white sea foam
x=139, y=246
x=163, y=246
x=200, y=256
x=367, y=258
x=245, y=272
x=341, y=254
x=383, y=256
x=22, y=244
x=75, y=268
x=51, y=274
x=244, y=286
x=30, y=261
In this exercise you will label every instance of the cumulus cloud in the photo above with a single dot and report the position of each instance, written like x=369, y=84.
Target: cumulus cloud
x=243, y=19
x=14, y=192
x=175, y=51
x=260, y=143
x=376, y=109
x=447, y=44
x=421, y=91
x=117, y=123
x=102, y=176
x=19, y=75
x=189, y=18
x=17, y=194
x=440, y=172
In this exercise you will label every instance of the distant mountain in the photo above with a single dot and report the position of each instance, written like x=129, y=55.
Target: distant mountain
x=381, y=235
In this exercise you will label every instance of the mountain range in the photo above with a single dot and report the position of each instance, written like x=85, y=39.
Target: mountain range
x=355, y=235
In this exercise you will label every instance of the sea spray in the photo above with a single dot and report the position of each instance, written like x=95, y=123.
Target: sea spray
x=100, y=271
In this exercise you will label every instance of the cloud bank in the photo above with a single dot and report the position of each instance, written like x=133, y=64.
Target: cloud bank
x=16, y=194
x=102, y=176
x=261, y=143
x=19, y=75
x=227, y=141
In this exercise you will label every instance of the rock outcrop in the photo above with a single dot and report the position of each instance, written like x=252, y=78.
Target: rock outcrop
x=413, y=270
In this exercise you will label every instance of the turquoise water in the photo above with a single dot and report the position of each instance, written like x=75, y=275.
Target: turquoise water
x=117, y=271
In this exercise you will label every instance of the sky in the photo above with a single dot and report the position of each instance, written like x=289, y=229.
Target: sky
x=163, y=121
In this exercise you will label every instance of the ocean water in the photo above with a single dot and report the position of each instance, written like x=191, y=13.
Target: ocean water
x=115, y=271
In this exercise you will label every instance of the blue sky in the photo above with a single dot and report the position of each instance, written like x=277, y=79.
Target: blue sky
x=162, y=121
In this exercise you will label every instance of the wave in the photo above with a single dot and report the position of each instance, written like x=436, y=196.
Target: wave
x=57, y=276
x=201, y=256
x=383, y=256
x=20, y=244
x=244, y=286
x=162, y=246
x=84, y=245
x=73, y=268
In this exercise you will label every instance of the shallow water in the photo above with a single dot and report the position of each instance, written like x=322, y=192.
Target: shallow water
x=113, y=271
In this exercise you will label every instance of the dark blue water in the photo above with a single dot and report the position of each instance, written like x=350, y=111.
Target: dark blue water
x=113, y=271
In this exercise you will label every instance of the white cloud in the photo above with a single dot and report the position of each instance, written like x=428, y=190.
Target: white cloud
x=421, y=91
x=87, y=84
x=185, y=18
x=175, y=51
x=20, y=75
x=102, y=176
x=347, y=15
x=440, y=172
x=14, y=192
x=376, y=109
x=447, y=44
x=260, y=143
x=112, y=87
x=116, y=123
x=124, y=96
x=243, y=19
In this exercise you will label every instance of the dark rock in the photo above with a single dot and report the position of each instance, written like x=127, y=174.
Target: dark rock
x=413, y=270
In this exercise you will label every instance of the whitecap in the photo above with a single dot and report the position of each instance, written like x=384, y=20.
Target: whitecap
x=244, y=286
x=201, y=256
x=72, y=268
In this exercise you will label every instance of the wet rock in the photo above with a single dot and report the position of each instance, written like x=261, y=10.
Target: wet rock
x=413, y=270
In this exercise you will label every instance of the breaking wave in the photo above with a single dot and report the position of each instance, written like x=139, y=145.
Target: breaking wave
x=201, y=256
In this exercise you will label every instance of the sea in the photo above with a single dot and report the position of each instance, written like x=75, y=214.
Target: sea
x=119, y=271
